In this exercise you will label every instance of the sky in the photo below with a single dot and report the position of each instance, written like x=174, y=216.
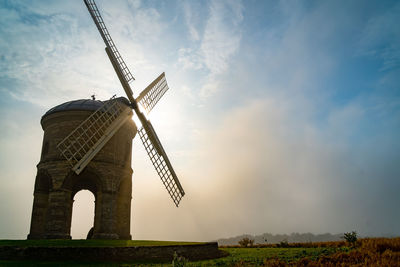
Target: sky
x=281, y=117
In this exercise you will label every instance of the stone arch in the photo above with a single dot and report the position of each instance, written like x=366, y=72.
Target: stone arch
x=87, y=180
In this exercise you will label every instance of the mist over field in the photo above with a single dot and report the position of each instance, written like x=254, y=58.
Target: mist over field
x=268, y=238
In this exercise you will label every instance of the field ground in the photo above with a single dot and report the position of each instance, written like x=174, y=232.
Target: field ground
x=253, y=256
x=366, y=252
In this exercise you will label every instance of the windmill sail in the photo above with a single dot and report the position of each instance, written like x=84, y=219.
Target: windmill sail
x=82, y=144
x=161, y=162
x=149, y=97
x=98, y=20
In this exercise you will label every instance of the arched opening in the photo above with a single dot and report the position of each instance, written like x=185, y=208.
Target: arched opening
x=84, y=208
x=83, y=212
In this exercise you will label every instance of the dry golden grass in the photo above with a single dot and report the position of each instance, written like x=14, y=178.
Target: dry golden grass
x=367, y=252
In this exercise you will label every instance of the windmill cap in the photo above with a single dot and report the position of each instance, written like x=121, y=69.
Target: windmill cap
x=81, y=104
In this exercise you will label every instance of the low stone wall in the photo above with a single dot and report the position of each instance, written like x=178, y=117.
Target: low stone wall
x=150, y=253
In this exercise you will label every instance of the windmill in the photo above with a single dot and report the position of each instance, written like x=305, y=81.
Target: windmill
x=83, y=143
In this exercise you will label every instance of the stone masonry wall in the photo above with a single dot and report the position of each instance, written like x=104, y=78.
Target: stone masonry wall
x=151, y=253
x=106, y=176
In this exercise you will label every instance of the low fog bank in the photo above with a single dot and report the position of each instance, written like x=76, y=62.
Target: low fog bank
x=268, y=238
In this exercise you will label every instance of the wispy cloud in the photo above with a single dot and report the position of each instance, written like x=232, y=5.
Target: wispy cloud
x=218, y=43
x=380, y=39
x=222, y=35
x=189, y=58
x=191, y=18
x=40, y=59
x=65, y=57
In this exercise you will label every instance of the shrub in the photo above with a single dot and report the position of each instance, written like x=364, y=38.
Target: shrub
x=351, y=237
x=283, y=244
x=246, y=242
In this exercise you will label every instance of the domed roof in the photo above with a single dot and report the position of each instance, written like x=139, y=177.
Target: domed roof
x=81, y=104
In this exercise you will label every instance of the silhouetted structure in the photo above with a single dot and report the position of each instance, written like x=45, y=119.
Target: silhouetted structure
x=108, y=176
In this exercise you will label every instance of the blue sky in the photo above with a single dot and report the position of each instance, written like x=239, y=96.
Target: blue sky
x=282, y=116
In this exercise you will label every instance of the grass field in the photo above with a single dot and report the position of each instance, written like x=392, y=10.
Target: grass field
x=257, y=256
x=251, y=256
x=366, y=252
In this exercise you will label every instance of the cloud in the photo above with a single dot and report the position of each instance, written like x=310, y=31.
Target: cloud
x=218, y=43
x=222, y=36
x=40, y=59
x=221, y=41
x=191, y=15
x=65, y=57
x=380, y=39
x=189, y=59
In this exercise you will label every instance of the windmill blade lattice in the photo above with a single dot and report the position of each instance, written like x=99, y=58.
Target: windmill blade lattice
x=82, y=144
x=149, y=97
x=161, y=163
x=98, y=20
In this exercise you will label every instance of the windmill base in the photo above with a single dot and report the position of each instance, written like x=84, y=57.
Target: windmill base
x=191, y=252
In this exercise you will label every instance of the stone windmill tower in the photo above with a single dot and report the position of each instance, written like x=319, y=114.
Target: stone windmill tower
x=87, y=144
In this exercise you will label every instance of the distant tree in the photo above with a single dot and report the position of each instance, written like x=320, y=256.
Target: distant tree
x=351, y=237
x=246, y=242
x=283, y=244
x=251, y=243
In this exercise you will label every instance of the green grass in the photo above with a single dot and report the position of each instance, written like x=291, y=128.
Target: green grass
x=256, y=256
x=238, y=256
x=91, y=243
